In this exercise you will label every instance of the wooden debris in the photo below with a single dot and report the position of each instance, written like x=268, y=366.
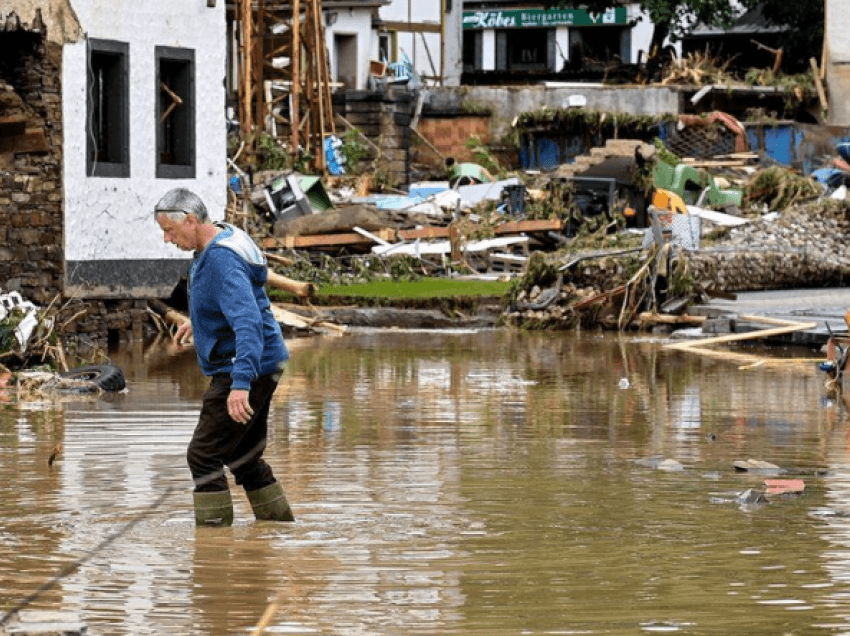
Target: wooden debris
x=294, y=321
x=300, y=289
x=170, y=315
x=700, y=346
x=280, y=260
x=648, y=318
x=54, y=454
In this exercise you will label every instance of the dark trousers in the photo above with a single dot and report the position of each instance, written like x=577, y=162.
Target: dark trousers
x=219, y=441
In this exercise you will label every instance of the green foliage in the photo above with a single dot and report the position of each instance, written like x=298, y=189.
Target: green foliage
x=664, y=154
x=304, y=163
x=482, y=155
x=558, y=203
x=778, y=188
x=538, y=271
x=593, y=124
x=354, y=151
x=682, y=281
x=474, y=108
x=8, y=341
x=677, y=17
x=405, y=268
x=273, y=156
x=798, y=89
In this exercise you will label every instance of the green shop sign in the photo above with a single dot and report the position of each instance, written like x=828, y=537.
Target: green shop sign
x=520, y=18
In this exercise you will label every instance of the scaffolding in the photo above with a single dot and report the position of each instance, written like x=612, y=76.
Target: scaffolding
x=283, y=77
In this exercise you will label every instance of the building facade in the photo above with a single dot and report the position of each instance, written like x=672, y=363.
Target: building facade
x=143, y=110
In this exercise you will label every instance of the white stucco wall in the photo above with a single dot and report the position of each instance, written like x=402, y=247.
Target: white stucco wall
x=488, y=50
x=412, y=43
x=354, y=22
x=111, y=218
x=838, y=57
x=452, y=54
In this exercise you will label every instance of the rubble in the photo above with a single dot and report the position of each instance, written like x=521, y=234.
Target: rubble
x=587, y=261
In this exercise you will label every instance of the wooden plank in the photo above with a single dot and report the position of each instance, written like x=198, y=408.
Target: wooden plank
x=389, y=235
x=821, y=94
x=412, y=27
x=424, y=233
x=512, y=227
x=297, y=287
x=516, y=227
x=431, y=146
x=714, y=163
x=325, y=240
x=753, y=335
x=650, y=318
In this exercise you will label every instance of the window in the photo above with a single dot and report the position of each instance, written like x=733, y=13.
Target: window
x=527, y=49
x=108, y=109
x=473, y=50
x=175, y=113
x=602, y=44
x=384, y=47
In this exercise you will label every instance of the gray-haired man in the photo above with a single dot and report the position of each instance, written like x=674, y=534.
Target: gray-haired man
x=240, y=346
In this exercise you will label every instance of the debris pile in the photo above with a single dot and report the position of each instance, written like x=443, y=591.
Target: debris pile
x=628, y=234
x=42, y=348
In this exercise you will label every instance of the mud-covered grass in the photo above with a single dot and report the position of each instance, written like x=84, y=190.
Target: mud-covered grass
x=425, y=293
x=425, y=288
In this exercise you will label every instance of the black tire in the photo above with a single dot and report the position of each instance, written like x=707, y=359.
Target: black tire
x=106, y=376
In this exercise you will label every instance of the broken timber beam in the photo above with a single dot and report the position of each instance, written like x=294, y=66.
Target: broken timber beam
x=824, y=104
x=788, y=327
x=512, y=227
x=390, y=235
x=325, y=240
x=170, y=315
x=299, y=288
x=652, y=318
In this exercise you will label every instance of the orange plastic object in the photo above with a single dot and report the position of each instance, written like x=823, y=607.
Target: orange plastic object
x=667, y=200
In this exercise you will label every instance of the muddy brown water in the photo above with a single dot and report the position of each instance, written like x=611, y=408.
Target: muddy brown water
x=444, y=483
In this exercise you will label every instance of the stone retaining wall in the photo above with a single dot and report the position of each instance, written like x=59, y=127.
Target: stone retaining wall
x=384, y=118
x=31, y=219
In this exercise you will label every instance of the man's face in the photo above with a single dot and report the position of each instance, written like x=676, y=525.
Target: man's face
x=179, y=233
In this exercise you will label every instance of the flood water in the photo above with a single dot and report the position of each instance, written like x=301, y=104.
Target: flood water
x=444, y=483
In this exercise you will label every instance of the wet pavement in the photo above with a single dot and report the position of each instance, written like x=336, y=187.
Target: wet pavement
x=824, y=307
x=453, y=482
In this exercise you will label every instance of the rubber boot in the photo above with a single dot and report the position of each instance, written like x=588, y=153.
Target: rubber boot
x=213, y=508
x=270, y=503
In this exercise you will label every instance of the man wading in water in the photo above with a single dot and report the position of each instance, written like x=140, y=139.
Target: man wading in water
x=240, y=346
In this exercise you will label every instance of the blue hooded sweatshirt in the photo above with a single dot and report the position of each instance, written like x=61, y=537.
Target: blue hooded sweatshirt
x=233, y=326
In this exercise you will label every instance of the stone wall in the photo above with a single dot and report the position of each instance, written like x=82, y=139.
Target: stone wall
x=31, y=216
x=106, y=321
x=384, y=118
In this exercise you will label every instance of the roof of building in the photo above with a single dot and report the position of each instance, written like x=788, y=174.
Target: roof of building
x=751, y=22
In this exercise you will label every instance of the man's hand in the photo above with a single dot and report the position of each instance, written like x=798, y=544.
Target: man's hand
x=184, y=333
x=238, y=407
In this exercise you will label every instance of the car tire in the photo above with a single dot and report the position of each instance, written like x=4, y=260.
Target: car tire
x=106, y=376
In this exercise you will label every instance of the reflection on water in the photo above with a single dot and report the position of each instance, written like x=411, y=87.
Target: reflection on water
x=444, y=483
